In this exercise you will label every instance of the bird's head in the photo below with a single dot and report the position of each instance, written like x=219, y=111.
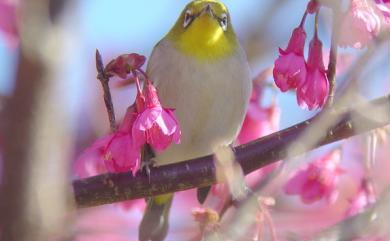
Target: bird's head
x=204, y=30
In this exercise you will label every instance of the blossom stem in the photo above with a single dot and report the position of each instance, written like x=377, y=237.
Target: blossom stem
x=201, y=171
x=137, y=83
x=143, y=74
x=104, y=79
x=331, y=72
x=303, y=19
x=316, y=24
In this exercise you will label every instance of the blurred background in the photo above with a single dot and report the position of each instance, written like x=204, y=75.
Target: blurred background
x=70, y=113
x=117, y=27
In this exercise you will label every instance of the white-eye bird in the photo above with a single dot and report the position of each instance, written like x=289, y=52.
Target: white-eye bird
x=200, y=69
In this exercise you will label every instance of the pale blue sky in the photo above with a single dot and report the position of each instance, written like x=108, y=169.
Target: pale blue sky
x=121, y=26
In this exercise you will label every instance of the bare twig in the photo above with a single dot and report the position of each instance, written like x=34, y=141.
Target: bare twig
x=104, y=79
x=200, y=172
x=331, y=74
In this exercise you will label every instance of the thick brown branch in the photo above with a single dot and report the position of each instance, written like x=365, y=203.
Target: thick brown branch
x=200, y=172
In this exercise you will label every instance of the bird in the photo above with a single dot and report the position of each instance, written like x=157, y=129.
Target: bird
x=199, y=69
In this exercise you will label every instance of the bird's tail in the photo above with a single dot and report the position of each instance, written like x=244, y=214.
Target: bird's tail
x=154, y=225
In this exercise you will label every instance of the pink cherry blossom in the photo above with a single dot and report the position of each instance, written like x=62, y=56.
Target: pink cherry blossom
x=113, y=153
x=384, y=8
x=125, y=64
x=116, y=151
x=91, y=162
x=259, y=121
x=361, y=24
x=312, y=94
x=155, y=125
x=8, y=22
x=120, y=155
x=120, y=152
x=290, y=68
x=365, y=197
x=317, y=180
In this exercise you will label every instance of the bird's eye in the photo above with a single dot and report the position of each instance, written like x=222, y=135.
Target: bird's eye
x=224, y=22
x=187, y=18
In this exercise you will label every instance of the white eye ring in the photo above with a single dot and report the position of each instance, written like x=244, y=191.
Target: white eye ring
x=224, y=21
x=187, y=18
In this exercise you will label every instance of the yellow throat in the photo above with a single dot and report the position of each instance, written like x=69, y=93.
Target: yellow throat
x=204, y=31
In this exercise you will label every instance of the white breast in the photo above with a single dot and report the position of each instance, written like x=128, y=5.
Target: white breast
x=210, y=99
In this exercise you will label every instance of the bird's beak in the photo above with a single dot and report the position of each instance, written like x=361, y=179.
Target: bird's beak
x=208, y=10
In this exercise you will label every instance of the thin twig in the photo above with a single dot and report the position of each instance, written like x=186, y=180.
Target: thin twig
x=200, y=172
x=331, y=72
x=104, y=79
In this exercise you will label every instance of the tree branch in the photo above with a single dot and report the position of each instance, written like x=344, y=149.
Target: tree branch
x=331, y=72
x=200, y=172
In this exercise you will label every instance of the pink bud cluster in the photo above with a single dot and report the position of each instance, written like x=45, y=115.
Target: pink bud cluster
x=145, y=122
x=293, y=72
x=361, y=23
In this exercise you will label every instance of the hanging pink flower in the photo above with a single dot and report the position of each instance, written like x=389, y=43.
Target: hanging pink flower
x=116, y=151
x=361, y=24
x=312, y=94
x=113, y=153
x=318, y=180
x=155, y=125
x=120, y=153
x=91, y=162
x=290, y=68
x=364, y=198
